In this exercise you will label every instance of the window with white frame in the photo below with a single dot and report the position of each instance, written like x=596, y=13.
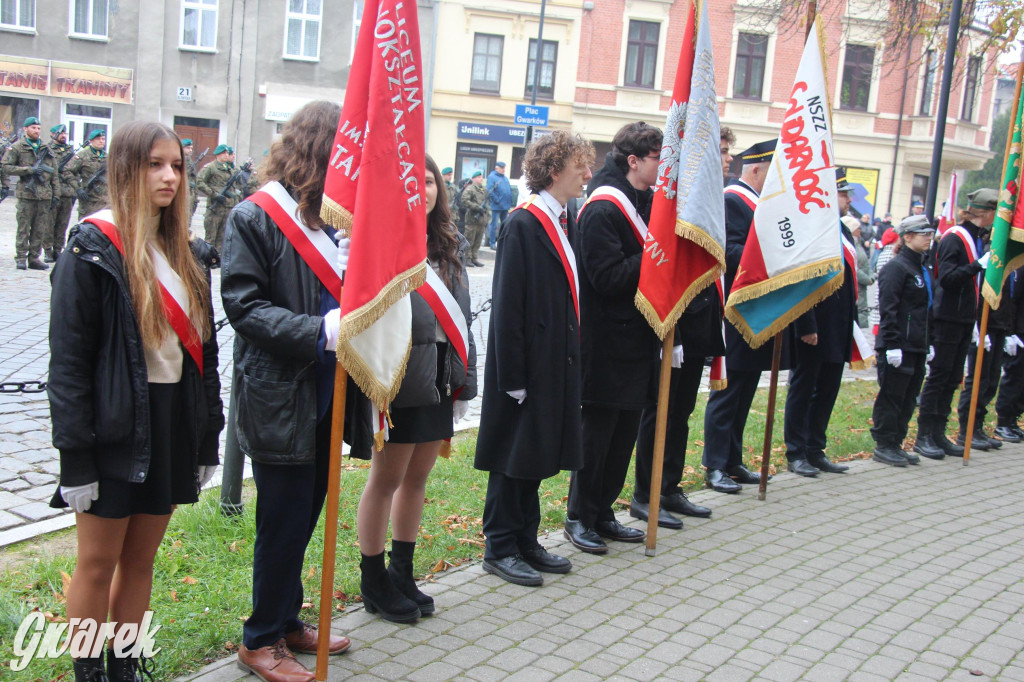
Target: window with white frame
x=18, y=14
x=302, y=29
x=357, y=21
x=89, y=18
x=199, y=24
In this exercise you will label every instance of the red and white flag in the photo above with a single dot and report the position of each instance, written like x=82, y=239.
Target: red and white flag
x=374, y=193
x=684, y=247
x=947, y=218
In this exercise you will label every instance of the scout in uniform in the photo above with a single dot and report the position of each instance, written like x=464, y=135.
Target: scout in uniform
x=53, y=242
x=90, y=167
x=29, y=160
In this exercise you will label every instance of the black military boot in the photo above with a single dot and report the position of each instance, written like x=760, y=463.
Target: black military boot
x=36, y=264
x=380, y=594
x=926, y=445
x=947, y=446
x=400, y=570
x=90, y=670
x=21, y=263
x=48, y=256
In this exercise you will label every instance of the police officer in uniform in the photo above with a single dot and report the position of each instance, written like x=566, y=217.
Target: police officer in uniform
x=190, y=167
x=53, y=242
x=904, y=298
x=727, y=410
x=823, y=344
x=29, y=160
x=959, y=265
x=474, y=199
x=89, y=166
x=213, y=182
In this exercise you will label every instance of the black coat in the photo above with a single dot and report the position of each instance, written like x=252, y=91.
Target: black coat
x=272, y=299
x=903, y=303
x=956, y=274
x=533, y=343
x=618, y=346
x=98, y=381
x=738, y=354
x=699, y=329
x=831, y=319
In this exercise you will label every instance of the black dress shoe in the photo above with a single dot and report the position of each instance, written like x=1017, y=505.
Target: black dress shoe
x=679, y=503
x=927, y=447
x=1008, y=434
x=544, y=561
x=890, y=456
x=978, y=442
x=719, y=481
x=742, y=474
x=515, y=570
x=909, y=456
x=948, y=446
x=820, y=461
x=613, y=530
x=641, y=510
x=584, y=538
x=802, y=467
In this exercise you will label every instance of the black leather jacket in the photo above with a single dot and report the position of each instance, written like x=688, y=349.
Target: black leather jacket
x=98, y=387
x=272, y=299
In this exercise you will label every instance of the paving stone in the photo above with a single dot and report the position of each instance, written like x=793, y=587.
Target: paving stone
x=35, y=511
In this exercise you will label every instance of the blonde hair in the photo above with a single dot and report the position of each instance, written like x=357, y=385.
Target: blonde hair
x=127, y=169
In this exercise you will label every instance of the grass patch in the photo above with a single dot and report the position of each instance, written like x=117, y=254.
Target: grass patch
x=203, y=573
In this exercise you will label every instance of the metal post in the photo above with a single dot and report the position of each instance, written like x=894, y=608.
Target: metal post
x=940, y=117
x=536, y=66
x=231, y=474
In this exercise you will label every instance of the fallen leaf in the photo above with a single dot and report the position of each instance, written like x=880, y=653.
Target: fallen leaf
x=338, y=594
x=234, y=545
x=307, y=605
x=65, y=582
x=471, y=541
x=174, y=595
x=440, y=566
x=312, y=573
x=977, y=673
x=230, y=646
x=340, y=607
x=189, y=580
x=51, y=618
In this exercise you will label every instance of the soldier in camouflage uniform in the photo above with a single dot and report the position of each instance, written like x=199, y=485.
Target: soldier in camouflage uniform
x=211, y=182
x=53, y=241
x=29, y=160
x=89, y=166
x=452, y=191
x=193, y=192
x=474, y=198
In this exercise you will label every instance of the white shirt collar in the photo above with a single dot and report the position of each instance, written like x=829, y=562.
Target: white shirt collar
x=551, y=205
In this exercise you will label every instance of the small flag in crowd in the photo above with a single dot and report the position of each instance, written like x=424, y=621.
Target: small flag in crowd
x=947, y=218
x=374, y=192
x=793, y=255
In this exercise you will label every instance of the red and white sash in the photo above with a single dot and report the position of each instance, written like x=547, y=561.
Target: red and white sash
x=850, y=254
x=615, y=196
x=172, y=290
x=972, y=252
x=719, y=380
x=314, y=246
x=562, y=248
x=449, y=315
x=863, y=355
x=744, y=193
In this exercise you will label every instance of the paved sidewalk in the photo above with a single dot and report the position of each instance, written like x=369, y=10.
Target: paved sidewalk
x=878, y=574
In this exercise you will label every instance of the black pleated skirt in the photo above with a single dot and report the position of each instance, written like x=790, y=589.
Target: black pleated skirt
x=425, y=423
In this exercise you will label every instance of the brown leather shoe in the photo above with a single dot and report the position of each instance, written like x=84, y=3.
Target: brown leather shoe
x=274, y=663
x=304, y=641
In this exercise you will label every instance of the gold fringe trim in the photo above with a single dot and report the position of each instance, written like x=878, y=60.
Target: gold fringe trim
x=1016, y=234
x=776, y=283
x=379, y=394
x=336, y=215
x=701, y=238
x=446, y=449
x=719, y=384
x=662, y=328
x=866, y=363
x=363, y=317
x=989, y=293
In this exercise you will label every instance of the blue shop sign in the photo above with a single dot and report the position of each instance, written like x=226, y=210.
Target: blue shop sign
x=491, y=133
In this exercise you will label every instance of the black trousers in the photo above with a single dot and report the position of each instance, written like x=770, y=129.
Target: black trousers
x=945, y=372
x=288, y=503
x=609, y=434
x=1010, y=400
x=511, y=515
x=988, y=383
x=898, y=388
x=726, y=417
x=813, y=389
x=682, y=398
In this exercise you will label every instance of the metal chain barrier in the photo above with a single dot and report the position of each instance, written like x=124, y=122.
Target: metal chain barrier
x=23, y=387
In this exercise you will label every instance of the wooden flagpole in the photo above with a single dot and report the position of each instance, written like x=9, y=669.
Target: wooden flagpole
x=331, y=522
x=769, y=422
x=660, y=424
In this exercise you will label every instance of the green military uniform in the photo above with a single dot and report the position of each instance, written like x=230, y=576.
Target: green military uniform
x=211, y=182
x=474, y=199
x=92, y=184
x=34, y=192
x=53, y=241
x=193, y=190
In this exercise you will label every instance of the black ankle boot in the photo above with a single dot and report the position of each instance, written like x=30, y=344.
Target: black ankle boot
x=400, y=570
x=128, y=668
x=90, y=670
x=380, y=594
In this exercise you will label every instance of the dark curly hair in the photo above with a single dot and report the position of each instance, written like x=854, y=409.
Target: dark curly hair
x=635, y=139
x=298, y=159
x=442, y=235
x=552, y=154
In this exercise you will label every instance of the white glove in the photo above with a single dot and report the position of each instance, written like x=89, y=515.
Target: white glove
x=1010, y=346
x=81, y=497
x=332, y=323
x=461, y=408
x=206, y=472
x=519, y=395
x=344, y=244
x=1020, y=344
x=931, y=354
x=677, y=356
x=974, y=336
x=988, y=343
x=983, y=261
x=894, y=357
